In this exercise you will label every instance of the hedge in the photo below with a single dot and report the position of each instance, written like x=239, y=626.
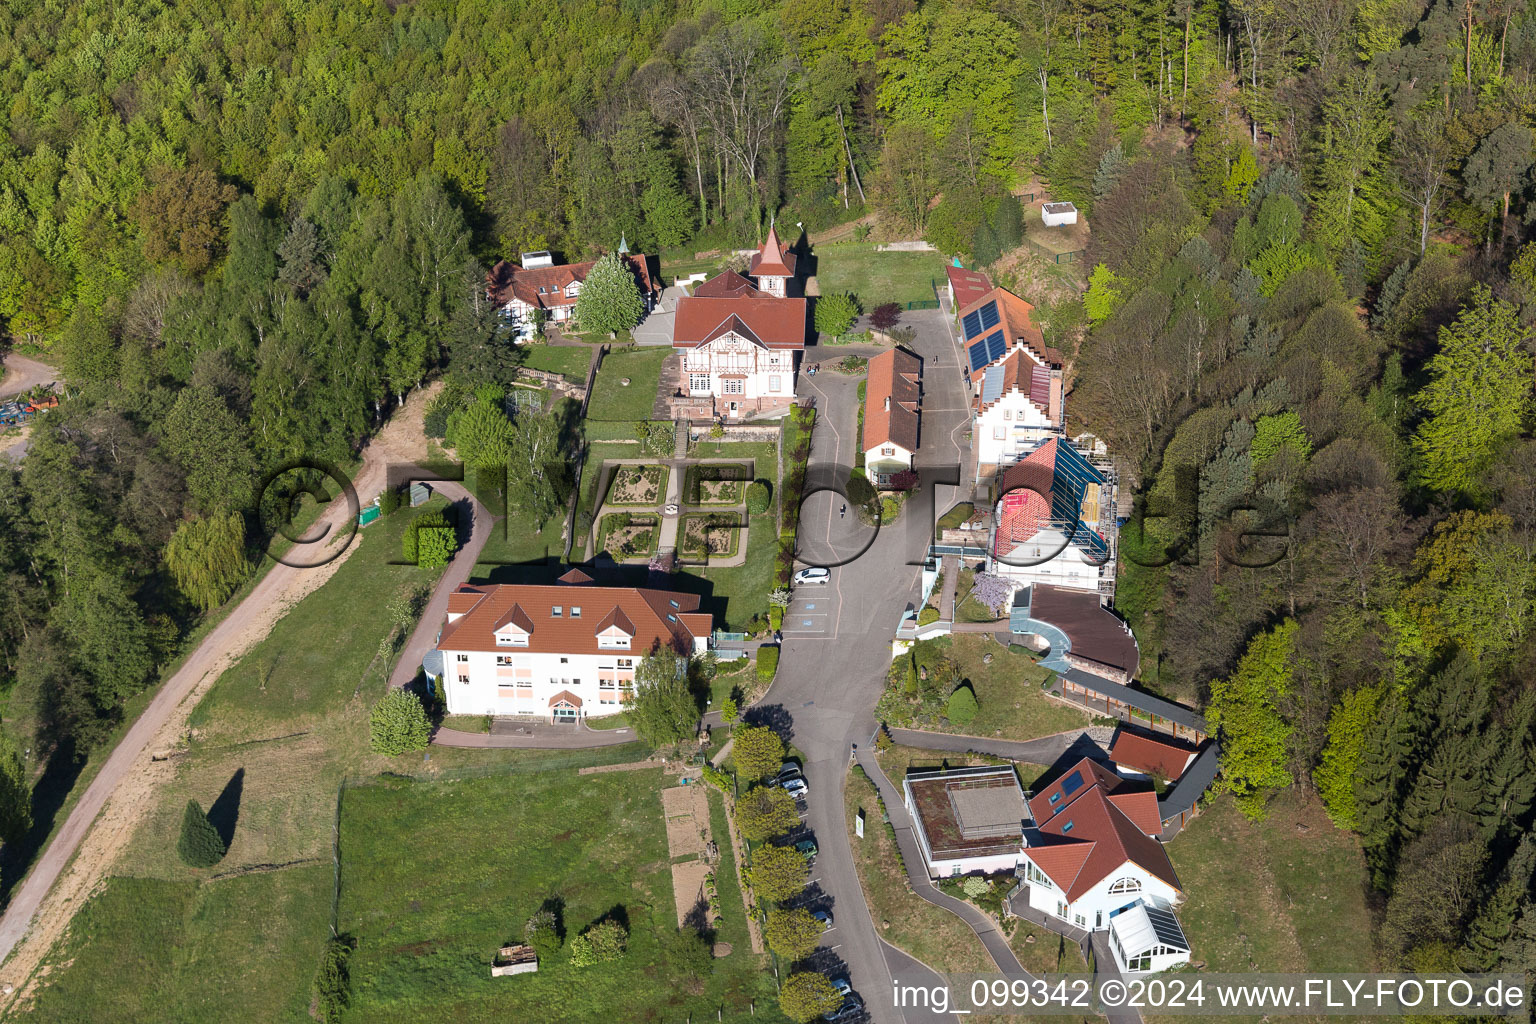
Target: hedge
x=767, y=662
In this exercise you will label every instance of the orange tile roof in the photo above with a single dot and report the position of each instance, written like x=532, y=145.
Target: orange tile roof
x=650, y=616
x=773, y=322
x=890, y=400
x=1153, y=755
x=729, y=285
x=1096, y=827
x=1025, y=375
x=1015, y=313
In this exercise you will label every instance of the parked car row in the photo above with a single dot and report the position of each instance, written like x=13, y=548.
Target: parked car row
x=792, y=781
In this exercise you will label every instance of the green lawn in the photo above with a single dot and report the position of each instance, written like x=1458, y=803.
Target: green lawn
x=310, y=664
x=1269, y=896
x=150, y=950
x=436, y=876
x=611, y=400
x=956, y=516
x=877, y=277
x=740, y=592
x=567, y=360
x=1010, y=702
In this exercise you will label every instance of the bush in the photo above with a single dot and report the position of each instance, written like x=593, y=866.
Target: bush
x=398, y=724
x=962, y=706
x=975, y=886
x=430, y=519
x=775, y=619
x=434, y=546
x=200, y=845
x=767, y=662
x=928, y=615
x=389, y=502
x=603, y=942
x=542, y=932
x=333, y=982
x=689, y=952
x=758, y=496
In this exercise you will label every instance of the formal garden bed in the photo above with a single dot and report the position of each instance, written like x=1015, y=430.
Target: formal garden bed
x=637, y=485
x=717, y=534
x=716, y=483
x=628, y=535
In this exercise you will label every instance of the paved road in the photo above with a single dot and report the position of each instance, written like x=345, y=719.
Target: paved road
x=22, y=373
x=424, y=638
x=1045, y=750
x=831, y=673
x=29, y=895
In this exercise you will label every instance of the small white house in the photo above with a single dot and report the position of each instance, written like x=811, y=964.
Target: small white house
x=967, y=820
x=1092, y=851
x=1055, y=215
x=891, y=417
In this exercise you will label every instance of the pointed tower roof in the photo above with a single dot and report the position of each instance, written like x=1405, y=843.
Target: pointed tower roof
x=623, y=245
x=772, y=260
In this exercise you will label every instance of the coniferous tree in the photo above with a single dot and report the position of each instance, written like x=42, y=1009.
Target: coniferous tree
x=1492, y=928
x=200, y=845
x=1510, y=789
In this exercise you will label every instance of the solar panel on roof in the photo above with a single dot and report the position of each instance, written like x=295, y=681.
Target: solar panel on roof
x=1167, y=928
x=978, y=354
x=972, y=324
x=1072, y=783
x=988, y=316
x=996, y=346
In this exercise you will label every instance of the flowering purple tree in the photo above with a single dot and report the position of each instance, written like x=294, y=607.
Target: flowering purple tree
x=993, y=591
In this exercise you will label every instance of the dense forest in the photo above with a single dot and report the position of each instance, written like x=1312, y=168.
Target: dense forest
x=244, y=230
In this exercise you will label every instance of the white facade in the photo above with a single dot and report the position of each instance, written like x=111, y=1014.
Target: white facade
x=1006, y=431
x=510, y=681
x=884, y=459
x=1117, y=890
x=1055, y=215
x=1071, y=566
x=732, y=368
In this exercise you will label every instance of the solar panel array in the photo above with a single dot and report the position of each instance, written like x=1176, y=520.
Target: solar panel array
x=1072, y=783
x=1167, y=928
x=978, y=354
x=980, y=320
x=997, y=345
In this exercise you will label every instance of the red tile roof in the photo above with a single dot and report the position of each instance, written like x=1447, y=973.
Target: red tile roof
x=968, y=285
x=1154, y=755
x=773, y=322
x=1026, y=488
x=649, y=616
x=1094, y=829
x=544, y=287
x=772, y=259
x=729, y=285
x=890, y=400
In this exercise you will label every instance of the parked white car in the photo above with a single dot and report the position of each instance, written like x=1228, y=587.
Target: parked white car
x=815, y=574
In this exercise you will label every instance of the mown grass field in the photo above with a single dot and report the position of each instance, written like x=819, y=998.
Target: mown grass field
x=153, y=950
x=877, y=277
x=611, y=400
x=566, y=360
x=436, y=876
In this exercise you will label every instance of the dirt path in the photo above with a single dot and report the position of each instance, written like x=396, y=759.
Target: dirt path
x=22, y=373
x=123, y=793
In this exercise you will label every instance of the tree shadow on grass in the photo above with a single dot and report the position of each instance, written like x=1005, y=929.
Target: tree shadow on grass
x=48, y=796
x=225, y=812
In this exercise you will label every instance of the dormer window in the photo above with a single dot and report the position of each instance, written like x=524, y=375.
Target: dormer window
x=575, y=611
x=556, y=611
